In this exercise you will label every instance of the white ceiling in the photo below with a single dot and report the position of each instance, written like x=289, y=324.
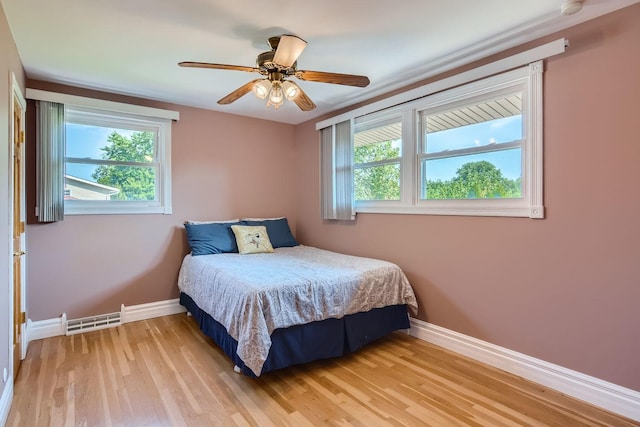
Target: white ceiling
x=133, y=46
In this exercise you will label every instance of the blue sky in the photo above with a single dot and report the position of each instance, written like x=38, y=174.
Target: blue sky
x=491, y=132
x=85, y=141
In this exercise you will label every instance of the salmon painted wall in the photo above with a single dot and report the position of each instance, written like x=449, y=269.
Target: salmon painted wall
x=223, y=166
x=9, y=63
x=564, y=289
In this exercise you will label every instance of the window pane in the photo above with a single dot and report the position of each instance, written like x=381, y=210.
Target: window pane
x=381, y=142
x=377, y=182
x=109, y=143
x=87, y=180
x=482, y=123
x=490, y=175
x=106, y=182
x=378, y=143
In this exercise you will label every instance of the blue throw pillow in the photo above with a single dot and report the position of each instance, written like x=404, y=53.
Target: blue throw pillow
x=211, y=238
x=278, y=231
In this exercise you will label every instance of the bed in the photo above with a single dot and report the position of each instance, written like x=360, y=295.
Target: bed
x=292, y=304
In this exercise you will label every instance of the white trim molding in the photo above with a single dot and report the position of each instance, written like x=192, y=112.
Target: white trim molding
x=55, y=327
x=5, y=402
x=46, y=328
x=603, y=394
x=134, y=313
x=81, y=101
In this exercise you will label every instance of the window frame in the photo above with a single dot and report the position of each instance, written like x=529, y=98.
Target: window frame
x=376, y=121
x=160, y=117
x=528, y=81
x=161, y=163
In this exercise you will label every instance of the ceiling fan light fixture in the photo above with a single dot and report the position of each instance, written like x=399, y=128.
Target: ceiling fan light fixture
x=261, y=89
x=276, y=96
x=290, y=89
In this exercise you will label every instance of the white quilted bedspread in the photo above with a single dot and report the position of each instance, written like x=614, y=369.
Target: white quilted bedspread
x=252, y=295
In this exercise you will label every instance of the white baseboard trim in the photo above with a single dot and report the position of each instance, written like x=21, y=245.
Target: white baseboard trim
x=55, y=327
x=5, y=402
x=603, y=394
x=46, y=328
x=134, y=313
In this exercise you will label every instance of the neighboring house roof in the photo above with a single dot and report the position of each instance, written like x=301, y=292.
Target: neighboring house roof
x=82, y=189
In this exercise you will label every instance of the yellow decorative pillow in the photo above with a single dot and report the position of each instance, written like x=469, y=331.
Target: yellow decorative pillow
x=252, y=239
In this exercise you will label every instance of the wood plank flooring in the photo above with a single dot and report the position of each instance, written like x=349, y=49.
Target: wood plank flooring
x=165, y=372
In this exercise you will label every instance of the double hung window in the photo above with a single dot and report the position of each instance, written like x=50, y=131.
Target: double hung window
x=116, y=162
x=475, y=149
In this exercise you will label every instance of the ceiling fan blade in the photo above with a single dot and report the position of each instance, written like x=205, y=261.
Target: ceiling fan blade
x=301, y=99
x=218, y=66
x=337, y=78
x=288, y=50
x=238, y=93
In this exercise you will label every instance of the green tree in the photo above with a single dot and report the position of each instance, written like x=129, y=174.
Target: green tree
x=380, y=182
x=134, y=182
x=474, y=180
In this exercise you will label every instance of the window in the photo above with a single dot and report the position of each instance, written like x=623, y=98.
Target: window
x=117, y=157
x=475, y=149
x=116, y=162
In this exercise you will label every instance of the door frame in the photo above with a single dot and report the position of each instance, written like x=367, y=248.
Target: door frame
x=17, y=97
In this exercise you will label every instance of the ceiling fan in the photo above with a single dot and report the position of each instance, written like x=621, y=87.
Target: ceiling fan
x=278, y=65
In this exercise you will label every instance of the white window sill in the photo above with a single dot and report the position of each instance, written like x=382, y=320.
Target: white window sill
x=117, y=210
x=459, y=208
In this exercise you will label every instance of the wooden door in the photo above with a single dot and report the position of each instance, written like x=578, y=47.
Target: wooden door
x=19, y=317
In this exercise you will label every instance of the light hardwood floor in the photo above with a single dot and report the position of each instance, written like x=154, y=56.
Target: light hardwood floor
x=165, y=372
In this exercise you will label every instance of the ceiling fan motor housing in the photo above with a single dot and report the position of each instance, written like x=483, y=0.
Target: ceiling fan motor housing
x=265, y=63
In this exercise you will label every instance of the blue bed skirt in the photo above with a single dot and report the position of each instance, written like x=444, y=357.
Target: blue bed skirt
x=312, y=341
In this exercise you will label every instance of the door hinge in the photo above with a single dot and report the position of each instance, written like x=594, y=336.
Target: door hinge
x=23, y=317
x=21, y=137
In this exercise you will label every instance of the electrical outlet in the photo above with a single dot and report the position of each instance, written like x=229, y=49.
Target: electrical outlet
x=5, y=375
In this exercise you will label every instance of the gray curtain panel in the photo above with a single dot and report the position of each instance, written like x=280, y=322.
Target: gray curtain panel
x=336, y=170
x=50, y=154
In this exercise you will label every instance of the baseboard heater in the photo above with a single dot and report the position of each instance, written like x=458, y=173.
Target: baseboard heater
x=93, y=323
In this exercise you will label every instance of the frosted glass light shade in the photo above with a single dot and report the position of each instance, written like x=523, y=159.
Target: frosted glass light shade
x=276, y=97
x=261, y=88
x=290, y=89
